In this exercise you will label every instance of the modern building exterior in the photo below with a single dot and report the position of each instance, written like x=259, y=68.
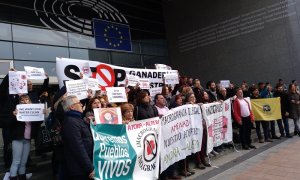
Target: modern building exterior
x=35, y=32
x=252, y=40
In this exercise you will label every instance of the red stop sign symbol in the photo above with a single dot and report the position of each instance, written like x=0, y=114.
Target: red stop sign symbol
x=106, y=75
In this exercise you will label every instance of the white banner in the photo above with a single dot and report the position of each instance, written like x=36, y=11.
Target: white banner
x=218, y=122
x=106, y=74
x=182, y=134
x=116, y=94
x=108, y=115
x=35, y=73
x=17, y=82
x=77, y=88
x=30, y=112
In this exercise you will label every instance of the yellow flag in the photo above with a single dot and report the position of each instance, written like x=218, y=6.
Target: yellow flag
x=267, y=109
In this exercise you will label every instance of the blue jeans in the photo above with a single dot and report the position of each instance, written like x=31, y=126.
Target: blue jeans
x=20, y=149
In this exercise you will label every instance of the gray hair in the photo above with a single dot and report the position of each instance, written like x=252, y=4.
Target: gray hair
x=69, y=101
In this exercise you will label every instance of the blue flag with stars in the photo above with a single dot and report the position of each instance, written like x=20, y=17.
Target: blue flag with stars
x=113, y=36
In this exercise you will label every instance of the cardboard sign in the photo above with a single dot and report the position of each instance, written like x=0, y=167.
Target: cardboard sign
x=35, y=73
x=144, y=84
x=171, y=79
x=17, y=82
x=77, y=88
x=30, y=112
x=133, y=80
x=116, y=94
x=225, y=83
x=108, y=115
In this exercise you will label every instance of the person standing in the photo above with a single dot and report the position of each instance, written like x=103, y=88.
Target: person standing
x=244, y=117
x=294, y=101
x=78, y=142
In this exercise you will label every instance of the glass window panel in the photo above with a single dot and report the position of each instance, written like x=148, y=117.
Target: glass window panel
x=38, y=35
x=98, y=55
x=79, y=40
x=79, y=53
x=38, y=52
x=149, y=61
x=49, y=67
x=126, y=59
x=154, y=49
x=5, y=31
x=4, y=67
x=6, y=50
x=135, y=47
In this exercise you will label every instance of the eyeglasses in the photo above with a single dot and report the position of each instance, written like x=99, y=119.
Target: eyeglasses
x=76, y=103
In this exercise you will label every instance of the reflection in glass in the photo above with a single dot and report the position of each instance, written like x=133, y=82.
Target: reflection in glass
x=79, y=53
x=126, y=59
x=79, y=40
x=98, y=55
x=49, y=67
x=40, y=36
x=6, y=50
x=39, y=52
x=149, y=61
x=5, y=31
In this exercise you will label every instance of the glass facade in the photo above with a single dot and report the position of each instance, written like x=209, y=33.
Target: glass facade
x=26, y=40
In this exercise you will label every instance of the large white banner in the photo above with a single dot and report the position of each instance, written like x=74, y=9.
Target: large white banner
x=181, y=135
x=17, y=82
x=30, y=112
x=107, y=75
x=218, y=122
x=127, y=151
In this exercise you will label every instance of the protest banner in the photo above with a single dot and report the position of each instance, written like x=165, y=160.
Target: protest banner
x=267, y=109
x=225, y=83
x=126, y=151
x=35, y=73
x=30, y=112
x=108, y=115
x=171, y=78
x=218, y=121
x=116, y=94
x=77, y=88
x=17, y=82
x=182, y=134
x=106, y=74
x=144, y=84
x=132, y=80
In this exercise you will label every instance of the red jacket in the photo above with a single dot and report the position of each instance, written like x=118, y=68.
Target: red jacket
x=237, y=111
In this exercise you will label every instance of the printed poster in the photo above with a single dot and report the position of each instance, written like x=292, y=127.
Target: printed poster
x=17, y=82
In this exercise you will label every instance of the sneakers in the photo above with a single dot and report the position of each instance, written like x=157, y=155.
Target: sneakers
x=261, y=141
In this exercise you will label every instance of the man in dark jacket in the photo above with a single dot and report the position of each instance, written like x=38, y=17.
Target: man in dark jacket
x=284, y=102
x=78, y=142
x=212, y=91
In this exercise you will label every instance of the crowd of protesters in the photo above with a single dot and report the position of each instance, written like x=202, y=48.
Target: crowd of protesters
x=70, y=119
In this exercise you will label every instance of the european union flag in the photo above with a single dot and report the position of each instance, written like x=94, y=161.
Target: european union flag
x=113, y=36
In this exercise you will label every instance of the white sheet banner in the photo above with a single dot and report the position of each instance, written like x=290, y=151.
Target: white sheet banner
x=77, y=88
x=17, y=82
x=35, y=73
x=30, y=112
x=107, y=75
x=182, y=134
x=218, y=122
x=116, y=94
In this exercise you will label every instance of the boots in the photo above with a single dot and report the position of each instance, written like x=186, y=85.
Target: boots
x=22, y=177
x=13, y=178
